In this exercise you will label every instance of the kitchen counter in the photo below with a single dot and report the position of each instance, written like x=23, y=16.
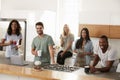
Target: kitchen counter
x=28, y=71
x=48, y=74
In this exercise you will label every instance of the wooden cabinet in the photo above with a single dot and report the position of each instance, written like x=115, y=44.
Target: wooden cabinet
x=115, y=31
x=90, y=28
x=112, y=31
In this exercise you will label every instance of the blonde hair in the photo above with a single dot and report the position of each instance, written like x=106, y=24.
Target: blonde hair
x=64, y=33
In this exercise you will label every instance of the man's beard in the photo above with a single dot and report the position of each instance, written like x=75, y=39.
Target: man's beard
x=40, y=33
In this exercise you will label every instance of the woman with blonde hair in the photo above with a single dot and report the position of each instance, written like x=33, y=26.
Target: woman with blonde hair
x=66, y=40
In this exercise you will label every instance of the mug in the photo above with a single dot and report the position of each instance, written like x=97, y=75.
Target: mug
x=39, y=52
x=86, y=69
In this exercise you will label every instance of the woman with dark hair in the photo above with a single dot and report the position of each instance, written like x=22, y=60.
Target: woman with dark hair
x=13, y=35
x=83, y=48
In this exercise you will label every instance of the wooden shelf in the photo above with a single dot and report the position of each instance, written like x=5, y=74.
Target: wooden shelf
x=111, y=31
x=115, y=31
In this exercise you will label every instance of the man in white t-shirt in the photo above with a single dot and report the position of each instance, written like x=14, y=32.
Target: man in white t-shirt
x=106, y=55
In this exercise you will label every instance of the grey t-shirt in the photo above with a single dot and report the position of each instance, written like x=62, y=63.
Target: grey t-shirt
x=43, y=44
x=66, y=41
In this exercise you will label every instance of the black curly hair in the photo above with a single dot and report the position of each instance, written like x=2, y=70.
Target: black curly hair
x=18, y=30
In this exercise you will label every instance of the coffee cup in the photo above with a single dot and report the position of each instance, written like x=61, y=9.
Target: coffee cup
x=39, y=52
x=14, y=42
x=86, y=69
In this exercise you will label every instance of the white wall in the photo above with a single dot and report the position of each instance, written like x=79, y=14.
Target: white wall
x=101, y=12
x=29, y=4
x=100, y=5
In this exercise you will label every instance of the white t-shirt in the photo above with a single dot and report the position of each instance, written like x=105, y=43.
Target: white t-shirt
x=10, y=50
x=109, y=55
